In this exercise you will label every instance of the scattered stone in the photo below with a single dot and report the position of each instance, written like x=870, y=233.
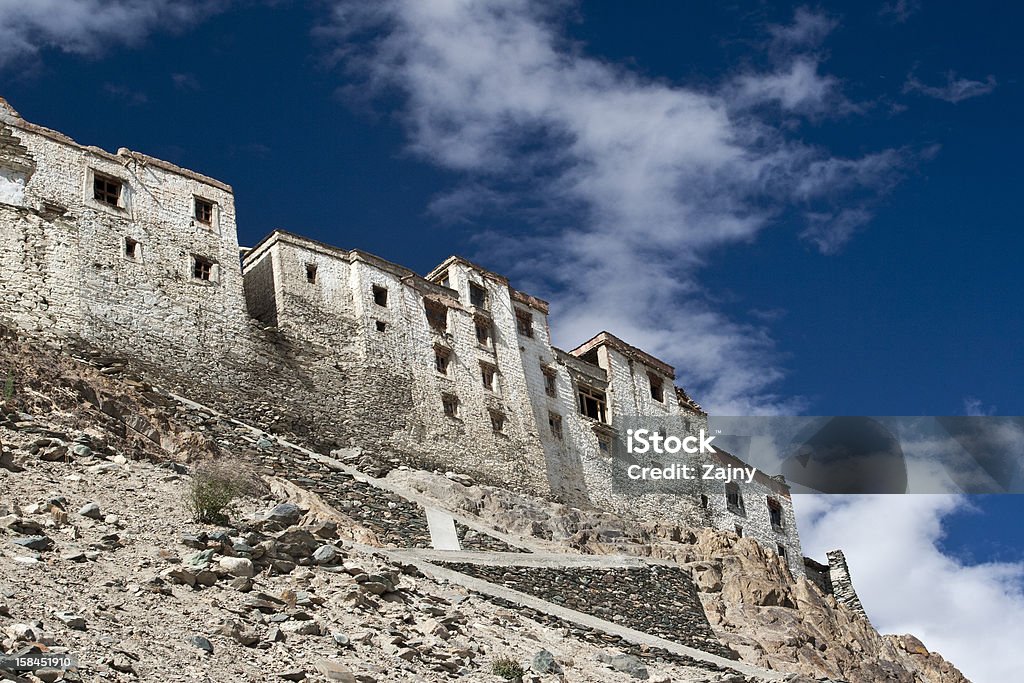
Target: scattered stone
x=242, y=584
x=286, y=514
x=72, y=621
x=91, y=510
x=34, y=542
x=197, y=541
x=201, y=643
x=326, y=554
x=627, y=664
x=544, y=663
x=334, y=671
x=291, y=675
x=237, y=566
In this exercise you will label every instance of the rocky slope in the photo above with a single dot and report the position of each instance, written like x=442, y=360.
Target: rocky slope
x=99, y=557
x=754, y=604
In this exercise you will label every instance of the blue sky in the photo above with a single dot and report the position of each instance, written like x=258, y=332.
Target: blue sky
x=809, y=208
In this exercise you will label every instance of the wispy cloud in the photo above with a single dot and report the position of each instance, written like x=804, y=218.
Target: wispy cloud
x=808, y=29
x=87, y=27
x=973, y=406
x=185, y=81
x=971, y=613
x=899, y=11
x=954, y=90
x=127, y=95
x=627, y=185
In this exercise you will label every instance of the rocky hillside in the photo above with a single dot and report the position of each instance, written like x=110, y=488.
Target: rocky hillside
x=101, y=558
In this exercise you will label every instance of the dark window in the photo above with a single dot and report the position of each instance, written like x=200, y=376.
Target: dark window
x=657, y=387
x=437, y=315
x=733, y=498
x=704, y=501
x=497, y=420
x=310, y=272
x=204, y=210
x=782, y=550
x=477, y=295
x=442, y=358
x=593, y=403
x=380, y=295
x=451, y=404
x=381, y=326
x=483, y=331
x=487, y=373
x=131, y=248
x=604, y=444
x=739, y=531
x=555, y=425
x=550, y=387
x=775, y=513
x=524, y=323
x=106, y=189
x=202, y=268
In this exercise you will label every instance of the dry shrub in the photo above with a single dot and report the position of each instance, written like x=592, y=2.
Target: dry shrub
x=216, y=485
x=508, y=668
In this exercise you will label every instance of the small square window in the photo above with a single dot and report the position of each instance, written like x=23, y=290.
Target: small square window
x=555, y=425
x=310, y=273
x=202, y=268
x=132, y=248
x=437, y=315
x=450, y=402
x=203, y=211
x=739, y=531
x=488, y=373
x=781, y=550
x=380, y=295
x=657, y=387
x=524, y=323
x=593, y=403
x=477, y=295
x=497, y=421
x=550, y=388
x=704, y=501
x=604, y=445
x=107, y=189
x=483, y=332
x=381, y=326
x=442, y=359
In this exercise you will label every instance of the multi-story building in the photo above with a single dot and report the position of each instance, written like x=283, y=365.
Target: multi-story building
x=139, y=258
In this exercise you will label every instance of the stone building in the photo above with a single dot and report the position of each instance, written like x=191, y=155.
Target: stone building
x=138, y=258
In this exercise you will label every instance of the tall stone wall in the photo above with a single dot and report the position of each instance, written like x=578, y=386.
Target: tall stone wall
x=298, y=342
x=842, y=584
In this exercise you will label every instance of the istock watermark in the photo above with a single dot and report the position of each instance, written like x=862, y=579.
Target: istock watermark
x=820, y=454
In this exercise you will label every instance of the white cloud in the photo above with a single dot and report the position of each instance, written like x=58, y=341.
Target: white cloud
x=629, y=185
x=974, y=406
x=807, y=29
x=972, y=614
x=955, y=89
x=87, y=27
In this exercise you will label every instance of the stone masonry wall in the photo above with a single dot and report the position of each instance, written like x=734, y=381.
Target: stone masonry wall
x=297, y=342
x=671, y=608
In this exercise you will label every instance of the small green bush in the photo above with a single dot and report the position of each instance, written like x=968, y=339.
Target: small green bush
x=508, y=668
x=215, y=485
